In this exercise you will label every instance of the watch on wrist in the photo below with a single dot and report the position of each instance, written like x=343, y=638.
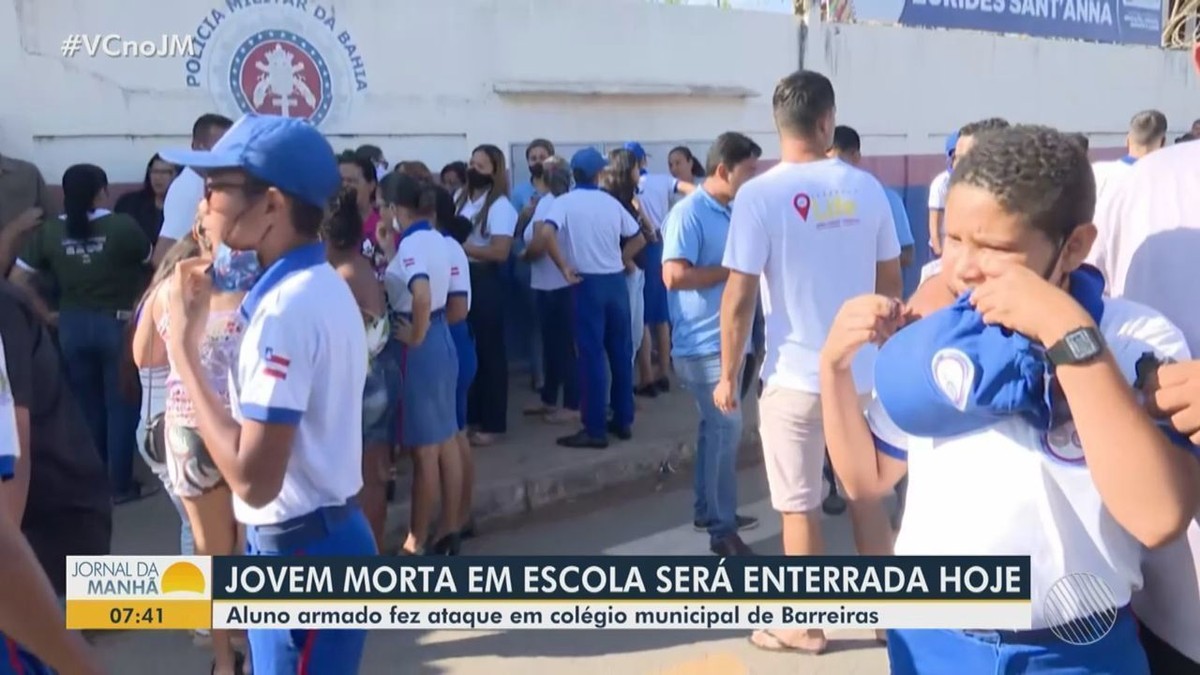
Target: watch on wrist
x=1077, y=347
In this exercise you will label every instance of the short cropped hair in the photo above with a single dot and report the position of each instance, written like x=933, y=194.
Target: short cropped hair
x=731, y=149
x=206, y=123
x=801, y=100
x=1149, y=127
x=1035, y=172
x=980, y=126
x=846, y=139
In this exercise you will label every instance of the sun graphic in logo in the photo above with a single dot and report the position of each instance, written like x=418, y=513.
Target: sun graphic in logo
x=182, y=577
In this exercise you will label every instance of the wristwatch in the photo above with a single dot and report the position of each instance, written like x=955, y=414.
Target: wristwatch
x=1077, y=347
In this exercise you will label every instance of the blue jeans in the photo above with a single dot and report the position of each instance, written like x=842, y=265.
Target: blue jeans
x=524, y=337
x=715, y=480
x=187, y=540
x=92, y=344
x=957, y=652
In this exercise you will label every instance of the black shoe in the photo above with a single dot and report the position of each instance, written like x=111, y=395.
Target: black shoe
x=663, y=385
x=647, y=391
x=623, y=433
x=450, y=544
x=834, y=505
x=468, y=530
x=743, y=523
x=581, y=439
x=730, y=546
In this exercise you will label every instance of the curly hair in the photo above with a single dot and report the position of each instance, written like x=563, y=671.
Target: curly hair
x=980, y=126
x=1037, y=173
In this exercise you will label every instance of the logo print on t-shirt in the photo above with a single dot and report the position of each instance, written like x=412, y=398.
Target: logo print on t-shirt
x=954, y=374
x=274, y=365
x=1062, y=443
x=802, y=204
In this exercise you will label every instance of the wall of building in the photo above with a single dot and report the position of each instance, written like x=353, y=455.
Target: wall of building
x=430, y=79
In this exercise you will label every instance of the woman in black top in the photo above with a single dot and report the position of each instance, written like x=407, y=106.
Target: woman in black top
x=145, y=205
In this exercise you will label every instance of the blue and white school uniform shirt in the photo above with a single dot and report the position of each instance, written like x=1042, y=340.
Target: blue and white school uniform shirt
x=654, y=196
x=10, y=442
x=592, y=223
x=421, y=253
x=544, y=275
x=460, y=270
x=1010, y=489
x=303, y=357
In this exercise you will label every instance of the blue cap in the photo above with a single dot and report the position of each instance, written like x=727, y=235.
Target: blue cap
x=636, y=148
x=951, y=141
x=950, y=373
x=285, y=152
x=588, y=162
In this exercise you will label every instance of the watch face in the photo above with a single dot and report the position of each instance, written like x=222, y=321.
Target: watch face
x=1082, y=344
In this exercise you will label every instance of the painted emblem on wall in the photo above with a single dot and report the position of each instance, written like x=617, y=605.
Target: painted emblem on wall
x=292, y=60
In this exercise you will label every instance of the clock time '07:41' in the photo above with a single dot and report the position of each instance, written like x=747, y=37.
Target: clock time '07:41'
x=128, y=615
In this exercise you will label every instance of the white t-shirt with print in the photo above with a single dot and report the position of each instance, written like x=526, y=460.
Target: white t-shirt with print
x=543, y=273
x=814, y=232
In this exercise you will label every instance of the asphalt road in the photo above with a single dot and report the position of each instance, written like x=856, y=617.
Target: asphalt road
x=630, y=521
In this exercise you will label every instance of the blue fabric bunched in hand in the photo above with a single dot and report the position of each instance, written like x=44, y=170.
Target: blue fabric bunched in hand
x=950, y=374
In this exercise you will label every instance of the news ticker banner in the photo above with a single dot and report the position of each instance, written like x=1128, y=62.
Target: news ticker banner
x=513, y=593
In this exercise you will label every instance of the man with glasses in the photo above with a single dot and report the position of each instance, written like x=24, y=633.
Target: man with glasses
x=289, y=448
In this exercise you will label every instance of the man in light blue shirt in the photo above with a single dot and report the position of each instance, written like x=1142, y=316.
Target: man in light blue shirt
x=694, y=235
x=847, y=146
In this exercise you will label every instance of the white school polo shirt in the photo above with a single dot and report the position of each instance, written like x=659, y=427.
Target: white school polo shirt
x=501, y=219
x=421, y=253
x=592, y=222
x=814, y=231
x=303, y=361
x=1012, y=490
x=180, y=204
x=654, y=195
x=460, y=270
x=10, y=442
x=939, y=188
x=543, y=273
x=1148, y=247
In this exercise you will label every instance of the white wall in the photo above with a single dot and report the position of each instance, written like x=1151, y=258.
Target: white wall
x=911, y=86
x=445, y=75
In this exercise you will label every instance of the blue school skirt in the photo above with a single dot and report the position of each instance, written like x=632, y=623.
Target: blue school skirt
x=430, y=382
x=381, y=396
x=468, y=363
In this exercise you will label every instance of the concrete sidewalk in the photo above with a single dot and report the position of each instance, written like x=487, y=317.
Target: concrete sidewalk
x=528, y=471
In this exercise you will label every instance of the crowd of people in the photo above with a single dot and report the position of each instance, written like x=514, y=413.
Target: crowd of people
x=225, y=319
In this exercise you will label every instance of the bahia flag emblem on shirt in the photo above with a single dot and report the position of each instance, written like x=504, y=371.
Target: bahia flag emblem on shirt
x=274, y=365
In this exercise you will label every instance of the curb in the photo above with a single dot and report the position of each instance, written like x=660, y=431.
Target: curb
x=616, y=467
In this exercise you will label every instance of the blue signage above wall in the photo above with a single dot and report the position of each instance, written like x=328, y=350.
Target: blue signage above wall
x=1114, y=21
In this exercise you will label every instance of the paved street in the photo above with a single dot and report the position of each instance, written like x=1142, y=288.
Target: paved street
x=624, y=521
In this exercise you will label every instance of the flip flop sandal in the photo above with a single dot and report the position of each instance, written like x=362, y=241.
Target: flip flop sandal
x=778, y=646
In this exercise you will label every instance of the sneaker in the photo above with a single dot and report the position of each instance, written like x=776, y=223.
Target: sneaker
x=834, y=505
x=581, y=439
x=731, y=545
x=743, y=522
x=647, y=391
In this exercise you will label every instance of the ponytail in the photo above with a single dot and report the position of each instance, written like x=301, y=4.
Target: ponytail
x=81, y=184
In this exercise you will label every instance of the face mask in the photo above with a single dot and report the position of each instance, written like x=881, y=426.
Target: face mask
x=478, y=181
x=234, y=270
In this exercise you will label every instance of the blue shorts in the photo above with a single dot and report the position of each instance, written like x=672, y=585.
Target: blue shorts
x=330, y=531
x=958, y=652
x=16, y=661
x=381, y=396
x=468, y=363
x=430, y=372
x=654, y=293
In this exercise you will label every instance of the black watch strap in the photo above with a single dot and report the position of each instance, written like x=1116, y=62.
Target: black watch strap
x=1078, y=346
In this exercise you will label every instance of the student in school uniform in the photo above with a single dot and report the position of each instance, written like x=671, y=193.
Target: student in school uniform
x=290, y=447
x=1007, y=473
x=455, y=230
x=553, y=297
x=593, y=225
x=484, y=201
x=654, y=195
x=418, y=285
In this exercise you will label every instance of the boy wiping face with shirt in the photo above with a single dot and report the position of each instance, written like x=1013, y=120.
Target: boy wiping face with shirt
x=1014, y=414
